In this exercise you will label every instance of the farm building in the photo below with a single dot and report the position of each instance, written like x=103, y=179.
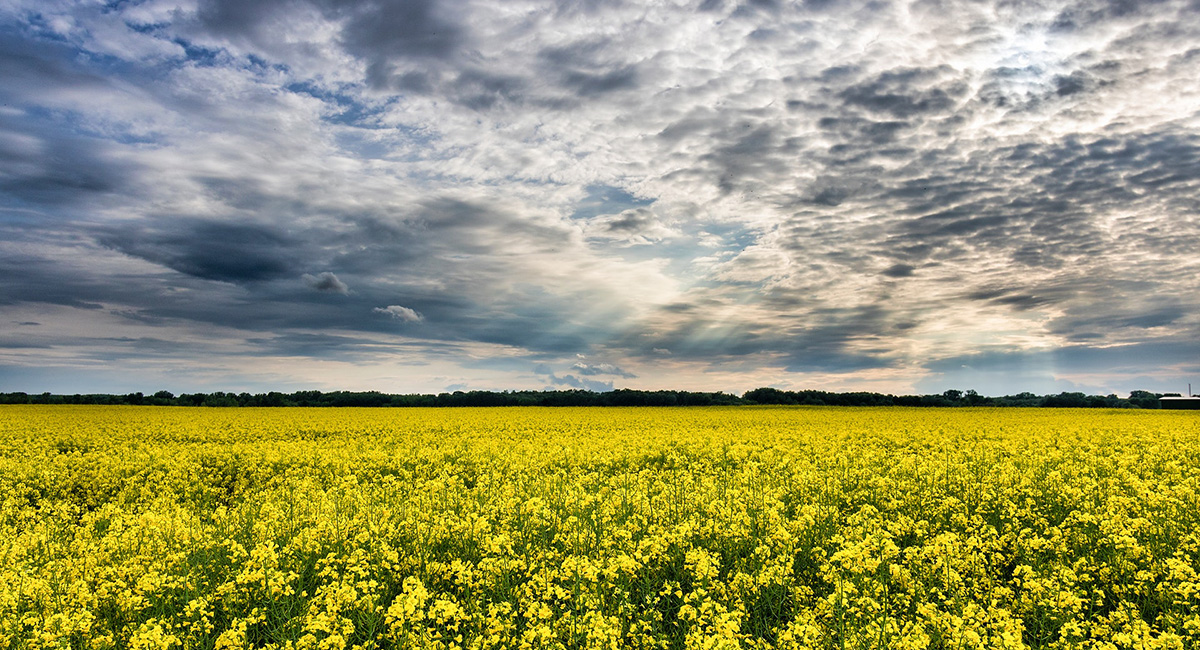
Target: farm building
x=1179, y=402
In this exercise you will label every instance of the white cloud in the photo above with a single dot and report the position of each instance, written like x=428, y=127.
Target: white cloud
x=327, y=282
x=400, y=313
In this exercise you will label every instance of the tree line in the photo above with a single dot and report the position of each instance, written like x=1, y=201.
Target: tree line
x=1137, y=399
x=620, y=397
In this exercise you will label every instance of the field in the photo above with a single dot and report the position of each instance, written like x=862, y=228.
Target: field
x=741, y=527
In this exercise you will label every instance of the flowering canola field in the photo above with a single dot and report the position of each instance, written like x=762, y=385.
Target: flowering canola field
x=741, y=527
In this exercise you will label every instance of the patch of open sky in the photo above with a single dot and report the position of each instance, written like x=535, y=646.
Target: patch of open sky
x=350, y=111
x=199, y=55
x=729, y=236
x=146, y=140
x=37, y=24
x=114, y=5
x=259, y=64
x=147, y=28
x=678, y=253
x=704, y=240
x=21, y=219
x=508, y=180
x=521, y=363
x=606, y=199
x=83, y=63
x=364, y=142
x=113, y=67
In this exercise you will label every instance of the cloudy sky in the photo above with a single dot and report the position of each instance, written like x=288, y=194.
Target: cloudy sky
x=427, y=195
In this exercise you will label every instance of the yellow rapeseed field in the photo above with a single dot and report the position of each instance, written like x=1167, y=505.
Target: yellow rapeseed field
x=741, y=527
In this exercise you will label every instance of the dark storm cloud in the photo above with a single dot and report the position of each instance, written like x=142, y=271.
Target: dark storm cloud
x=265, y=261
x=899, y=271
x=54, y=168
x=404, y=28
x=419, y=46
x=403, y=44
x=227, y=252
x=98, y=280
x=42, y=159
x=589, y=69
x=273, y=302
x=481, y=90
x=411, y=249
x=240, y=18
x=588, y=84
x=20, y=343
x=1074, y=83
x=28, y=64
x=380, y=31
x=44, y=281
x=631, y=221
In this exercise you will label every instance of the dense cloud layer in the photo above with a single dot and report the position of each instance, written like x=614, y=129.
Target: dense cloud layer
x=414, y=195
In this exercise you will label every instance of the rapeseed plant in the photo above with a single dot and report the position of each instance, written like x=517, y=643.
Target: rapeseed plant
x=789, y=527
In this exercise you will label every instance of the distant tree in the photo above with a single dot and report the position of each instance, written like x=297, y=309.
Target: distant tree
x=1144, y=399
x=161, y=398
x=1066, y=400
x=768, y=395
x=219, y=398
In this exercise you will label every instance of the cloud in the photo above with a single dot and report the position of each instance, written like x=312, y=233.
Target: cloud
x=907, y=92
x=899, y=271
x=601, y=369
x=403, y=314
x=571, y=381
x=579, y=378
x=635, y=226
x=326, y=282
x=211, y=250
x=378, y=31
x=811, y=189
x=42, y=160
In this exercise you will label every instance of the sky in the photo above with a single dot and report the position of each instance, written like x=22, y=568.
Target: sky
x=901, y=196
